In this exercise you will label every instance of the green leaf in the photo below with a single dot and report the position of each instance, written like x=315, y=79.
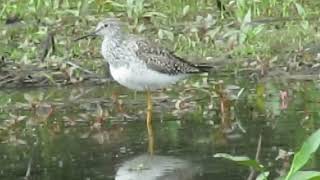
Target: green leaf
x=303, y=175
x=303, y=155
x=300, y=9
x=247, y=18
x=243, y=160
x=185, y=10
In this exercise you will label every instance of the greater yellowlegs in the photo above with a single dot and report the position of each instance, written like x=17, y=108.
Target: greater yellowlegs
x=139, y=64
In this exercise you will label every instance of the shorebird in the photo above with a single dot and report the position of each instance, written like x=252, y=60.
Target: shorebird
x=139, y=64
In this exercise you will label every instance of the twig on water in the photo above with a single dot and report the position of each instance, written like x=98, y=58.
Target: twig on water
x=252, y=171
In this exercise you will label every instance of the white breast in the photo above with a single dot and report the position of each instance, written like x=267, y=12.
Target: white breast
x=140, y=78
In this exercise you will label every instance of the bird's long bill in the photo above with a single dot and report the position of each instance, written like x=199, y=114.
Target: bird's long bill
x=92, y=34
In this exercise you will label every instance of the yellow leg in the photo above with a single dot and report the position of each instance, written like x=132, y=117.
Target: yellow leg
x=149, y=108
x=149, y=124
x=150, y=139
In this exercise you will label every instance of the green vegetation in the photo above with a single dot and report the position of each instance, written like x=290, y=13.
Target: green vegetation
x=300, y=159
x=199, y=28
x=252, y=34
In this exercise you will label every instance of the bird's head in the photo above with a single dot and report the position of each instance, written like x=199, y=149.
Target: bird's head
x=110, y=27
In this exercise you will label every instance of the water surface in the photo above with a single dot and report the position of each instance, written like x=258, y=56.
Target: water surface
x=84, y=132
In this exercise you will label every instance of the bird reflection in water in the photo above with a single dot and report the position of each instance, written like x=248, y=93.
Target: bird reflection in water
x=156, y=167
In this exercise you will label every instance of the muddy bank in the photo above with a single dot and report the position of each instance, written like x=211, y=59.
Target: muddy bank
x=302, y=64
x=15, y=75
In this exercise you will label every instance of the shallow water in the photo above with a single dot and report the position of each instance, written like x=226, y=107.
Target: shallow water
x=100, y=132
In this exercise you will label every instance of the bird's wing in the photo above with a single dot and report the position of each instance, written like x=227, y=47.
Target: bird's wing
x=162, y=60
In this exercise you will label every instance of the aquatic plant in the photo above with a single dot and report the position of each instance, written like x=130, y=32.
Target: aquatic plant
x=300, y=159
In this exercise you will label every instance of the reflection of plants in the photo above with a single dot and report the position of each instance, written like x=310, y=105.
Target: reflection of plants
x=101, y=116
x=4, y=100
x=300, y=159
x=34, y=100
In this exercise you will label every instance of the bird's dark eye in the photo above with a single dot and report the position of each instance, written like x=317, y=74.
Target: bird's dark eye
x=106, y=25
